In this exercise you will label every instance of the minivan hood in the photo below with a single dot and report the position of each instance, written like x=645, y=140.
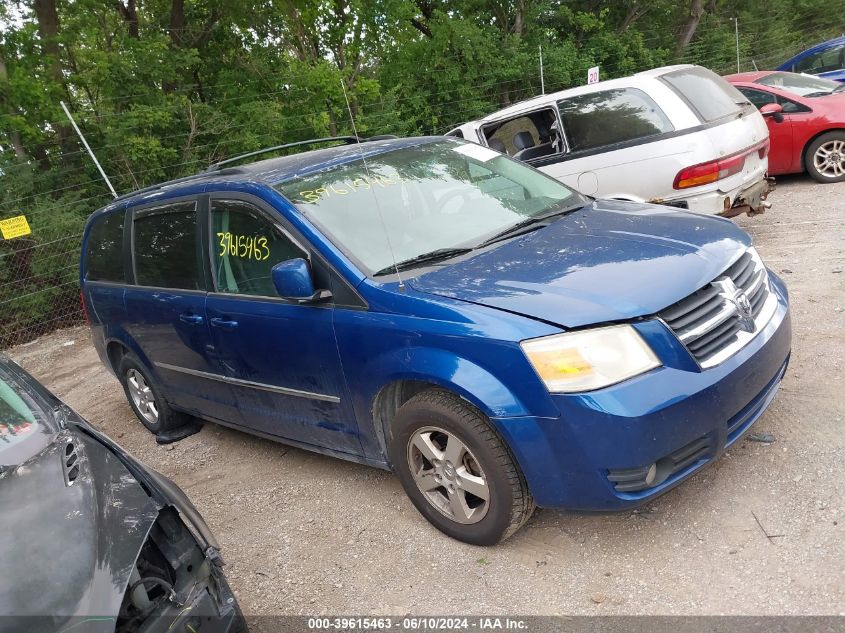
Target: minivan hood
x=609, y=261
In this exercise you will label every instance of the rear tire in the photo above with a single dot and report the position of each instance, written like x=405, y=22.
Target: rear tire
x=825, y=157
x=145, y=397
x=456, y=469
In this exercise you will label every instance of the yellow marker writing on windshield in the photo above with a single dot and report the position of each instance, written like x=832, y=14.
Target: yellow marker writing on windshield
x=345, y=187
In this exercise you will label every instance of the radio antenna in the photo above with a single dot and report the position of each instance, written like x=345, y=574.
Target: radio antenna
x=375, y=197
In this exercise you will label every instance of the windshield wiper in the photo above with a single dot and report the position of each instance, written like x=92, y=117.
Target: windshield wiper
x=437, y=255
x=524, y=224
x=819, y=93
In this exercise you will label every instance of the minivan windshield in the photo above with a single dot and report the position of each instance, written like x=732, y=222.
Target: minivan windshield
x=443, y=197
x=801, y=85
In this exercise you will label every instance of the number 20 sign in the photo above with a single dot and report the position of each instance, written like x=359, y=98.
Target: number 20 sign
x=593, y=75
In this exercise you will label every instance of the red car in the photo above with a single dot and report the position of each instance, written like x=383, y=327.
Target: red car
x=806, y=119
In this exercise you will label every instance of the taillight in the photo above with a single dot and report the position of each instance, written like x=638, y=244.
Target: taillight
x=84, y=308
x=705, y=173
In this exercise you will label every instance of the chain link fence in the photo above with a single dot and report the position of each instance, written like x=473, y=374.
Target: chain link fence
x=39, y=268
x=39, y=286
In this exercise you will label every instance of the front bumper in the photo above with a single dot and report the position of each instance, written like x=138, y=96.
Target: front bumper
x=207, y=611
x=567, y=460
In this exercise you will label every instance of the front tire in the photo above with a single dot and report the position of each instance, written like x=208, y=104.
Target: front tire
x=825, y=158
x=145, y=398
x=456, y=469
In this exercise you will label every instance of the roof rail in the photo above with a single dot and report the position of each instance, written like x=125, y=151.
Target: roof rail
x=167, y=183
x=349, y=140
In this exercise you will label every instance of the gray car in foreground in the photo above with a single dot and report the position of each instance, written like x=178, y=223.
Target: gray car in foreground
x=90, y=539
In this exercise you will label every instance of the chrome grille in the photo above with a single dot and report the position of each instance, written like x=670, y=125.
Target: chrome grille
x=719, y=319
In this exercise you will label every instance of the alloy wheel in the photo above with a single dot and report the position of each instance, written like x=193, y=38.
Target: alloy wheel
x=448, y=475
x=829, y=159
x=142, y=396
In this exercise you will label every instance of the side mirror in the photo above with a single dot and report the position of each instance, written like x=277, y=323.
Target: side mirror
x=773, y=110
x=292, y=280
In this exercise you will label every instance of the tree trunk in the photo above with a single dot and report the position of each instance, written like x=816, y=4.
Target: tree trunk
x=14, y=135
x=177, y=22
x=17, y=145
x=696, y=11
x=635, y=12
x=426, y=8
x=519, y=18
x=48, y=32
x=176, y=30
x=129, y=13
x=300, y=42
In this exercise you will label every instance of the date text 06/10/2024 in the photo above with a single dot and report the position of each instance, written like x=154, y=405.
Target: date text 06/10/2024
x=416, y=624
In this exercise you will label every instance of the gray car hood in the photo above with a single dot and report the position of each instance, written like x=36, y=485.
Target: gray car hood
x=68, y=549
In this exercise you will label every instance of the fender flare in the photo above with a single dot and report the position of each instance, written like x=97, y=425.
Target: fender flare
x=124, y=340
x=444, y=369
x=447, y=370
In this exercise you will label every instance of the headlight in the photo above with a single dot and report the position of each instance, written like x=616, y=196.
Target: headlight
x=589, y=359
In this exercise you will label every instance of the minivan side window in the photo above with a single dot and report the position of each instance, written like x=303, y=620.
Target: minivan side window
x=245, y=247
x=612, y=116
x=165, y=247
x=709, y=95
x=532, y=135
x=104, y=249
x=823, y=61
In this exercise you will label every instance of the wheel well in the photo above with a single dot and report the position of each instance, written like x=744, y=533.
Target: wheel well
x=115, y=351
x=387, y=402
x=813, y=140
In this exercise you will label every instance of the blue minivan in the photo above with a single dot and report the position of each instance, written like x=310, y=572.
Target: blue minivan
x=825, y=60
x=433, y=307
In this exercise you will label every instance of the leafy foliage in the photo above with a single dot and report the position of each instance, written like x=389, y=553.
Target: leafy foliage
x=162, y=88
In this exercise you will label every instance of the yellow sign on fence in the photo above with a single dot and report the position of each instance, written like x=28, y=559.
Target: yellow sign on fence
x=14, y=227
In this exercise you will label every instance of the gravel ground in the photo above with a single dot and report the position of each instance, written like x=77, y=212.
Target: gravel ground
x=760, y=532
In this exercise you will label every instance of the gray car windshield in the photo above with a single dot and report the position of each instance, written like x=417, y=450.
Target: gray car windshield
x=430, y=197
x=25, y=427
x=801, y=85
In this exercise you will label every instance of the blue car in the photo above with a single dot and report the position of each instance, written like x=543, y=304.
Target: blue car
x=825, y=60
x=433, y=307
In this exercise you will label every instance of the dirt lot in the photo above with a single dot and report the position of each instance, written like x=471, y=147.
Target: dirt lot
x=760, y=532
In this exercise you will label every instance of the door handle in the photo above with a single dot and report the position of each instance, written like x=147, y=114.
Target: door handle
x=193, y=319
x=224, y=323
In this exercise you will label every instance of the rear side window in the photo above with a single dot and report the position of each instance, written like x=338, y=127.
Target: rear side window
x=165, y=247
x=822, y=62
x=246, y=248
x=613, y=116
x=709, y=95
x=104, y=249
